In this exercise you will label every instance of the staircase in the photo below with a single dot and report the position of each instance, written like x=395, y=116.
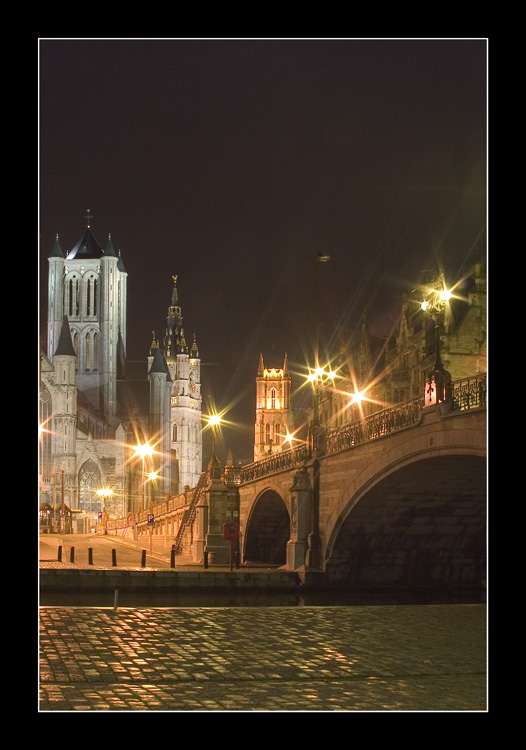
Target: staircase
x=190, y=512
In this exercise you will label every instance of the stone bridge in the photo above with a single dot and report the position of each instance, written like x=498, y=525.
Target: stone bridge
x=398, y=500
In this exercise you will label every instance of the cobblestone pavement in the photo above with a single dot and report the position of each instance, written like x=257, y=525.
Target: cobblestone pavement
x=425, y=658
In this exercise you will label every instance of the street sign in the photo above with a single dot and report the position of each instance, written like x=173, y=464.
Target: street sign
x=231, y=531
x=150, y=518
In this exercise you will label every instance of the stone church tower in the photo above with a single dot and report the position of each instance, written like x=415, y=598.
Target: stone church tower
x=184, y=367
x=89, y=287
x=91, y=415
x=273, y=415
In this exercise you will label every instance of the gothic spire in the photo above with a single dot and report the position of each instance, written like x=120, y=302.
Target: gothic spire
x=57, y=250
x=65, y=344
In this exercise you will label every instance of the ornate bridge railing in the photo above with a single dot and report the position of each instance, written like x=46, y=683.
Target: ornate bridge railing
x=469, y=393
x=276, y=462
x=375, y=425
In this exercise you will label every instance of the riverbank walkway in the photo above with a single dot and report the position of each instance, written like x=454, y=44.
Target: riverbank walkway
x=405, y=658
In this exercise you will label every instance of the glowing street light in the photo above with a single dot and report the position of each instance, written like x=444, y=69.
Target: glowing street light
x=143, y=451
x=435, y=305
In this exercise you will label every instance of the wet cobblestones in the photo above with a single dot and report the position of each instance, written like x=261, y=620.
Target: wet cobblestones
x=373, y=658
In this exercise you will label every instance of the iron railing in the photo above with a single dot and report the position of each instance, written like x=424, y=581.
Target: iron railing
x=375, y=425
x=468, y=393
x=271, y=464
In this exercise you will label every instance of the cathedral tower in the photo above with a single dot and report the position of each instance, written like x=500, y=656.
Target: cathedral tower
x=272, y=410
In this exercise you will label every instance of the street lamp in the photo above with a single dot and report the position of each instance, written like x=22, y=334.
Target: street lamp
x=316, y=376
x=143, y=450
x=438, y=382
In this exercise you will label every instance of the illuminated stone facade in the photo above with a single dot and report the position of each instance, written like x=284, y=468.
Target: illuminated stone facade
x=184, y=367
x=273, y=413
x=91, y=415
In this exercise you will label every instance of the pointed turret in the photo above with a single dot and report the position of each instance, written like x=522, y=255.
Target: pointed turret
x=110, y=250
x=57, y=250
x=120, y=264
x=159, y=365
x=65, y=345
x=261, y=367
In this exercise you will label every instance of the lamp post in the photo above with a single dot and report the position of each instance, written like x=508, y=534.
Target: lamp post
x=317, y=375
x=438, y=382
x=142, y=450
x=214, y=421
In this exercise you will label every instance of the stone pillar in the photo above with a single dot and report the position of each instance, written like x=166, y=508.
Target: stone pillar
x=223, y=507
x=201, y=529
x=300, y=520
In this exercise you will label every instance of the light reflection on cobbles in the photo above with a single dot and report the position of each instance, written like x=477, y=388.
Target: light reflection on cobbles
x=374, y=658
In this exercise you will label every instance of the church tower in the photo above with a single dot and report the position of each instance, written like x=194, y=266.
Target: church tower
x=89, y=287
x=272, y=409
x=184, y=366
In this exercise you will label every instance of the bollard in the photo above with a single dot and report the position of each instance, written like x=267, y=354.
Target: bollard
x=205, y=558
x=114, y=557
x=90, y=555
x=143, y=558
x=172, y=558
x=59, y=553
x=72, y=555
x=115, y=598
x=236, y=558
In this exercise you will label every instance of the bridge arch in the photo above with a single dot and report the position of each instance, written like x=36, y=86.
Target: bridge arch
x=267, y=529
x=419, y=521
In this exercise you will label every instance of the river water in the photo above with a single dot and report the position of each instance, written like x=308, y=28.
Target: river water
x=130, y=598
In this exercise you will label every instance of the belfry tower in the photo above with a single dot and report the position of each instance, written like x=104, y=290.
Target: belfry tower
x=273, y=418
x=184, y=366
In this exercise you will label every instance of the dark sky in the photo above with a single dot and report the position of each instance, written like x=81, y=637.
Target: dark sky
x=232, y=163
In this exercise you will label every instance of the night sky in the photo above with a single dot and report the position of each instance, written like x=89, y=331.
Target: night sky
x=233, y=163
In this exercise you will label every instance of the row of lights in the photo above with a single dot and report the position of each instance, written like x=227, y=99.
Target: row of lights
x=433, y=304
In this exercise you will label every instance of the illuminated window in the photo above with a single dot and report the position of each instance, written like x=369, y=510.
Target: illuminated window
x=268, y=433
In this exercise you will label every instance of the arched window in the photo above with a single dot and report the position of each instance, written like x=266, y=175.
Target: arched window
x=174, y=433
x=74, y=296
x=268, y=433
x=91, y=296
x=89, y=479
x=88, y=352
x=273, y=398
x=95, y=359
